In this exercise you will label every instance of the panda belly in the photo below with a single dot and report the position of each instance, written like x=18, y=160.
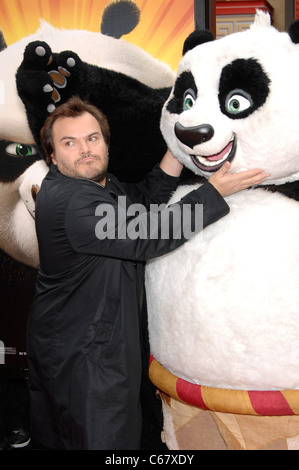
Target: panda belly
x=224, y=308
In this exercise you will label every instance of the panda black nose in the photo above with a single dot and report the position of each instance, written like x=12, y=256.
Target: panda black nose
x=192, y=136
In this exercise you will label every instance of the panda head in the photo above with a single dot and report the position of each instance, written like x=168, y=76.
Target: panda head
x=237, y=99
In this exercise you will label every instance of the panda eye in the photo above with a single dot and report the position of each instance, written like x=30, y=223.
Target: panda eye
x=20, y=150
x=237, y=101
x=189, y=99
x=188, y=102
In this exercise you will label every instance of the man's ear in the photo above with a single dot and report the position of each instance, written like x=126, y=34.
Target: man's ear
x=53, y=158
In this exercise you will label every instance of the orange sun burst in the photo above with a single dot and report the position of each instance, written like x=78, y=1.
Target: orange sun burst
x=162, y=29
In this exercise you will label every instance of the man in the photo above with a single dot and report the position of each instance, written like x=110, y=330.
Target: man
x=84, y=330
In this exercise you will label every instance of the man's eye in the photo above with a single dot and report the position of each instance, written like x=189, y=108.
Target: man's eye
x=20, y=150
x=238, y=101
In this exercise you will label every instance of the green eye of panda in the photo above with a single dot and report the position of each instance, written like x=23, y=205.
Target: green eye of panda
x=188, y=103
x=234, y=105
x=189, y=99
x=20, y=150
x=237, y=104
x=238, y=101
x=23, y=150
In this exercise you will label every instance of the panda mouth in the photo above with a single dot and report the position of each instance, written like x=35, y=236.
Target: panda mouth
x=212, y=163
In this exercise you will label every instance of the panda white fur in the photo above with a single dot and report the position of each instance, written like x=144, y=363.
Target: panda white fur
x=223, y=309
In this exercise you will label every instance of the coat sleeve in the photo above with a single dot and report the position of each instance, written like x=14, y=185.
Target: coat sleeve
x=156, y=188
x=106, y=227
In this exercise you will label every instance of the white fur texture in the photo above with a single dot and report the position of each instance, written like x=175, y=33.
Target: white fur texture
x=17, y=206
x=223, y=309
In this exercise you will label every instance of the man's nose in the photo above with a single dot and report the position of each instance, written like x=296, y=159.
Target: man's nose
x=84, y=147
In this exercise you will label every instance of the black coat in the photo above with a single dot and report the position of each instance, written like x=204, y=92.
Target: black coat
x=84, y=329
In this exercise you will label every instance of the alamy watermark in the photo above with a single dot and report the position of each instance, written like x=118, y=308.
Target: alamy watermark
x=122, y=221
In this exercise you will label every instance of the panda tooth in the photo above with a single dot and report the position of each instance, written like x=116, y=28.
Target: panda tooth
x=206, y=162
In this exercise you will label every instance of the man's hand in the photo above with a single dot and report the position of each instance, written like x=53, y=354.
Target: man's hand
x=230, y=183
x=170, y=165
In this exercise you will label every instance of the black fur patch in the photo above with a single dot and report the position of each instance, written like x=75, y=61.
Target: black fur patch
x=196, y=38
x=184, y=82
x=245, y=78
x=294, y=32
x=15, y=158
x=291, y=190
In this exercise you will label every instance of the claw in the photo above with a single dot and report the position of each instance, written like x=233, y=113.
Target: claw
x=48, y=88
x=40, y=51
x=51, y=108
x=71, y=62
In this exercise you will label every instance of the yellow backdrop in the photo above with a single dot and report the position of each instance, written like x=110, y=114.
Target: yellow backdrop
x=163, y=26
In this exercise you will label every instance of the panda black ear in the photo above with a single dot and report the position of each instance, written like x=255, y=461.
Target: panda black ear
x=196, y=38
x=3, y=44
x=294, y=32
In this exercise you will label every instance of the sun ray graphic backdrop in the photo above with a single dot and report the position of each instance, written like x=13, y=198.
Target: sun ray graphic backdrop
x=162, y=29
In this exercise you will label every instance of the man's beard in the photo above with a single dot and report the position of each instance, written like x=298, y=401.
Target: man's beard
x=90, y=171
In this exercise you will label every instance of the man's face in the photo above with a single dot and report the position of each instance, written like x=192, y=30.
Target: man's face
x=79, y=148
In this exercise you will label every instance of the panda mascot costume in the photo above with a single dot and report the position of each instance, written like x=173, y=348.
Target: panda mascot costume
x=22, y=164
x=223, y=309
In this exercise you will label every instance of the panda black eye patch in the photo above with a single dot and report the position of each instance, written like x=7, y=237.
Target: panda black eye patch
x=15, y=158
x=243, y=88
x=184, y=82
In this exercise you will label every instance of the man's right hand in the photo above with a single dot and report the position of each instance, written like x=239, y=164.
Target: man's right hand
x=229, y=183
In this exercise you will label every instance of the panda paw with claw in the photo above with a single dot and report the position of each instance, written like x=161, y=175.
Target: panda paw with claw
x=46, y=75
